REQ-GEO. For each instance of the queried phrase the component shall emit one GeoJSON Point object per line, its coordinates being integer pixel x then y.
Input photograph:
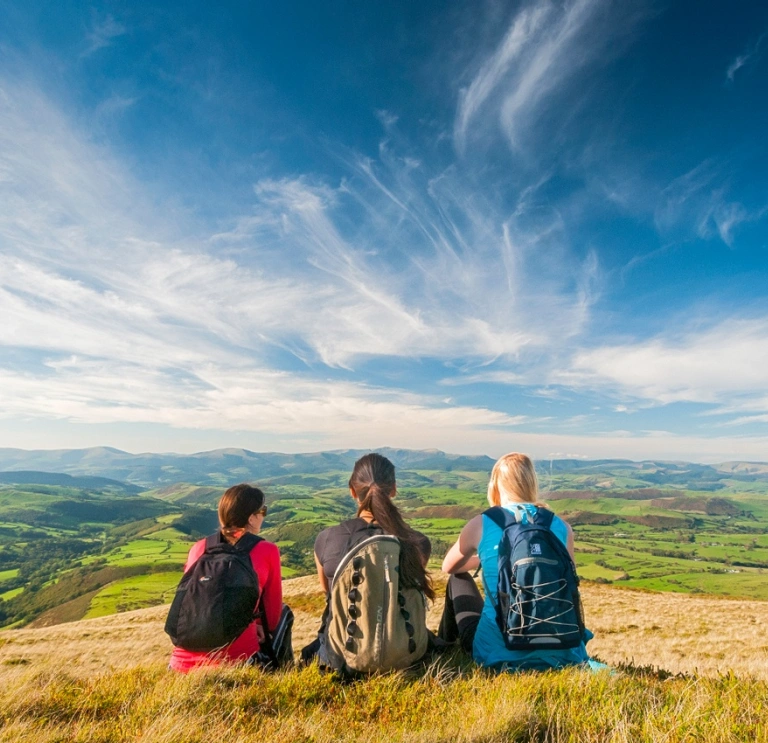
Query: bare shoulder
{"type": "Point", "coordinates": [472, 531]}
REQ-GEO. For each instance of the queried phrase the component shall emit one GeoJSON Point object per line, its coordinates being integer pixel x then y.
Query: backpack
{"type": "Point", "coordinates": [217, 597]}
{"type": "Point", "coordinates": [371, 622]}
{"type": "Point", "coordinates": [538, 602]}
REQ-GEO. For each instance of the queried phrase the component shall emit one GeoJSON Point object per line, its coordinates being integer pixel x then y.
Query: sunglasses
{"type": "Point", "coordinates": [263, 511]}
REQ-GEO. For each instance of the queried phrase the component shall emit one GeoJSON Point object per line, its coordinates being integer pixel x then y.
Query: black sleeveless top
{"type": "Point", "coordinates": [335, 541]}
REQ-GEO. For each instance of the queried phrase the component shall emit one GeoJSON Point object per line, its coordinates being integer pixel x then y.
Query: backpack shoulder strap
{"type": "Point", "coordinates": [500, 516]}
{"type": "Point", "coordinates": [214, 540]}
{"type": "Point", "coordinates": [247, 542]}
{"type": "Point", "coordinates": [357, 533]}
{"type": "Point", "coordinates": [544, 517]}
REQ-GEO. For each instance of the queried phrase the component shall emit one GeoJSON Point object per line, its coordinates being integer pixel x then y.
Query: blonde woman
{"type": "Point", "coordinates": [514, 498]}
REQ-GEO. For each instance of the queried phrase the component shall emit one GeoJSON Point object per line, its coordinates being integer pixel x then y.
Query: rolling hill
{"type": "Point", "coordinates": [223, 467]}
{"type": "Point", "coordinates": [75, 546]}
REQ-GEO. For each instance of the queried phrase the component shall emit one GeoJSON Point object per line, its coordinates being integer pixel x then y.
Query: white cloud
{"type": "Point", "coordinates": [223, 398]}
{"type": "Point", "coordinates": [102, 34]}
{"type": "Point", "coordinates": [749, 55]}
{"type": "Point", "coordinates": [709, 366]}
{"type": "Point", "coordinates": [696, 203]}
{"type": "Point", "coordinates": [486, 377]}
{"type": "Point", "coordinates": [304, 414]}
{"type": "Point", "coordinates": [545, 46]}
{"type": "Point", "coordinates": [124, 315]}
{"type": "Point", "coordinates": [519, 35]}
{"type": "Point", "coordinates": [746, 420]}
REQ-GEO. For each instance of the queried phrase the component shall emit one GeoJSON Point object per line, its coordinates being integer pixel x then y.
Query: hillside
{"type": "Point", "coordinates": [105, 680]}
{"type": "Point", "coordinates": [222, 467]}
{"type": "Point", "coordinates": [674, 632]}
{"type": "Point", "coordinates": [69, 552]}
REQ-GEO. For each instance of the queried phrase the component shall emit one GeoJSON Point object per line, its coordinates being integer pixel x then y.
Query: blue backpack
{"type": "Point", "coordinates": [538, 605]}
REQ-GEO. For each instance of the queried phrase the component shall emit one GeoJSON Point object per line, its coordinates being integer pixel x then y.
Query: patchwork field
{"type": "Point", "coordinates": [68, 552]}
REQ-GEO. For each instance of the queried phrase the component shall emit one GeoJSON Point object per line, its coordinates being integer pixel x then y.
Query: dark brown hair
{"type": "Point", "coordinates": [236, 506]}
{"type": "Point", "coordinates": [373, 481]}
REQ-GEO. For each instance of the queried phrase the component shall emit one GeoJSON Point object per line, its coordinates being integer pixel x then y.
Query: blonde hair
{"type": "Point", "coordinates": [513, 479]}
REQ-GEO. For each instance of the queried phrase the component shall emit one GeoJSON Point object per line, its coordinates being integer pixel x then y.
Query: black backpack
{"type": "Point", "coordinates": [538, 605]}
{"type": "Point", "coordinates": [217, 598]}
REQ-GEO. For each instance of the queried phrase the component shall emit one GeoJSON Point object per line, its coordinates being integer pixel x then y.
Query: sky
{"type": "Point", "coordinates": [477, 226]}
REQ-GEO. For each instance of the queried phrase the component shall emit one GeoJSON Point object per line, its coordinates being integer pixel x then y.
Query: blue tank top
{"type": "Point", "coordinates": [489, 649]}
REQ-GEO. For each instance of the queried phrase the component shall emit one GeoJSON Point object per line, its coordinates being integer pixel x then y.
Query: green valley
{"type": "Point", "coordinates": [84, 545]}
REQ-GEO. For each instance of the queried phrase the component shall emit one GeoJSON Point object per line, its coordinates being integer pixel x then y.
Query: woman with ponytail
{"type": "Point", "coordinates": [372, 486]}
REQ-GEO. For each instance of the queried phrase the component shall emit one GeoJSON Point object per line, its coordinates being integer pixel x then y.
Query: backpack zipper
{"type": "Point", "coordinates": [384, 609]}
{"type": "Point", "coordinates": [529, 560]}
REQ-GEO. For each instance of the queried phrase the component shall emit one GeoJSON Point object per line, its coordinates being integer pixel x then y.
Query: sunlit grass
{"type": "Point", "coordinates": [439, 703]}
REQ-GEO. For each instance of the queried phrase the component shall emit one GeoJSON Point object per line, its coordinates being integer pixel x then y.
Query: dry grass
{"type": "Point", "coordinates": [675, 632]}
{"type": "Point", "coordinates": [151, 704]}
{"type": "Point", "coordinates": [105, 680]}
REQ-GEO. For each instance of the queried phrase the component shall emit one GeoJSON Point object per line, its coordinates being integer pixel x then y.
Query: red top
{"type": "Point", "coordinates": [265, 558]}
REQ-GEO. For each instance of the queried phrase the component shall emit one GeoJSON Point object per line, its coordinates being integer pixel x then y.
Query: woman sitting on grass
{"type": "Point", "coordinates": [474, 621]}
{"type": "Point", "coordinates": [376, 588]}
{"type": "Point", "coordinates": [209, 613]}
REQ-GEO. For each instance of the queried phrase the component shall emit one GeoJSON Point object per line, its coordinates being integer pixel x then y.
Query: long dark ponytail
{"type": "Point", "coordinates": [373, 481]}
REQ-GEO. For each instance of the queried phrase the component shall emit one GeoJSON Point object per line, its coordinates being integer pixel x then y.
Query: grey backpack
{"type": "Point", "coordinates": [373, 623]}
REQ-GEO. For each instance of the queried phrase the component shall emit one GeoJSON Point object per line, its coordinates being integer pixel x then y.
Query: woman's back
{"type": "Point", "coordinates": [489, 648]}
{"type": "Point", "coordinates": [334, 542]}
{"type": "Point", "coordinates": [373, 570]}
{"type": "Point", "coordinates": [265, 558]}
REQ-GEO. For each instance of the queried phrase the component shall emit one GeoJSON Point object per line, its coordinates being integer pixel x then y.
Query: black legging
{"type": "Point", "coordinates": [461, 615]}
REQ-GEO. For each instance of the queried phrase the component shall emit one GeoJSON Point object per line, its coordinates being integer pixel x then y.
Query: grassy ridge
{"type": "Point", "coordinates": [105, 680]}
{"type": "Point", "coordinates": [442, 703]}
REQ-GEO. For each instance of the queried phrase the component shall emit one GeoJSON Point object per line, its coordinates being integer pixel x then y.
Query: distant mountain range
{"type": "Point", "coordinates": [222, 467]}
{"type": "Point", "coordinates": [218, 467]}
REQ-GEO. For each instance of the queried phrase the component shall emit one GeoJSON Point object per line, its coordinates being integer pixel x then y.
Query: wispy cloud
{"type": "Point", "coordinates": [101, 34]}
{"type": "Point", "coordinates": [489, 377]}
{"type": "Point", "coordinates": [696, 202]}
{"type": "Point", "coordinates": [750, 55]}
{"type": "Point", "coordinates": [219, 397]}
{"type": "Point", "coordinates": [546, 45]}
{"type": "Point", "coordinates": [125, 316]}
{"type": "Point", "coordinates": [520, 35]}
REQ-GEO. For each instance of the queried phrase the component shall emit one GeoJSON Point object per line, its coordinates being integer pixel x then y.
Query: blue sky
{"type": "Point", "coordinates": [481, 227]}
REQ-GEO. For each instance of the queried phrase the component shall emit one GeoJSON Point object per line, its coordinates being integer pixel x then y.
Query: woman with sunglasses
{"type": "Point", "coordinates": [242, 510]}
{"type": "Point", "coordinates": [372, 486]}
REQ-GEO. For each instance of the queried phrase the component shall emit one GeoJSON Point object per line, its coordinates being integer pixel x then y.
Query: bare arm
{"type": "Point", "coordinates": [321, 575]}
{"type": "Point", "coordinates": [463, 555]}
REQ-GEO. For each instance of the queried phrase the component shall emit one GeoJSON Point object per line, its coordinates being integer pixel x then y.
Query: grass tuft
{"type": "Point", "coordinates": [441, 702]}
